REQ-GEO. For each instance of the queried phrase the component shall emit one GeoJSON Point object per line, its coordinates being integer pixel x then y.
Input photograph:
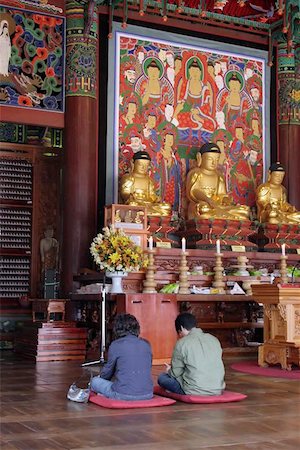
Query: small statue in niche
{"type": "Point", "coordinates": [128, 217]}
{"type": "Point", "coordinates": [49, 250]}
{"type": "Point", "coordinates": [138, 216]}
{"type": "Point", "coordinates": [117, 216]}
{"type": "Point", "coordinates": [95, 316]}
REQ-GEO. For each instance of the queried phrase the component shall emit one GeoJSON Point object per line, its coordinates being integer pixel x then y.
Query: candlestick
{"type": "Point", "coordinates": [218, 246]}
{"type": "Point", "coordinates": [283, 249]}
{"type": "Point", "coordinates": [183, 274]}
{"type": "Point", "coordinates": [218, 279]}
{"type": "Point", "coordinates": [183, 245]}
{"type": "Point", "coordinates": [150, 283]}
{"type": "Point", "coordinates": [150, 243]}
{"type": "Point", "coordinates": [283, 269]}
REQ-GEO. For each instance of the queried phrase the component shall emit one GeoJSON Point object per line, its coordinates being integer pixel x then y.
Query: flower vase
{"type": "Point", "coordinates": [116, 280]}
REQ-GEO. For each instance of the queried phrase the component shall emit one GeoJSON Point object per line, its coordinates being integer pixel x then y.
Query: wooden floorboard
{"type": "Point", "coordinates": [35, 414]}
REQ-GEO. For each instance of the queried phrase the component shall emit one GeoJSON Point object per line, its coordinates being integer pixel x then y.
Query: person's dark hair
{"type": "Point", "coordinates": [125, 324]}
{"type": "Point", "coordinates": [185, 320]}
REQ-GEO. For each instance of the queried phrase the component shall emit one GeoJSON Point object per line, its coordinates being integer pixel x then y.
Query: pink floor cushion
{"type": "Point", "coordinates": [105, 402]}
{"type": "Point", "coordinates": [252, 368]}
{"type": "Point", "coordinates": [227, 396]}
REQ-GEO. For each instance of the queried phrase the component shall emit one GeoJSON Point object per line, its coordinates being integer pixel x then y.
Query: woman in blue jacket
{"type": "Point", "coordinates": [127, 373]}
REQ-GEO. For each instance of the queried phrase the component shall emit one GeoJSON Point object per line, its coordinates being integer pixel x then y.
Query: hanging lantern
{"type": "Point", "coordinates": [270, 50]}
{"type": "Point", "coordinates": [124, 23]}
{"type": "Point", "coordinates": [179, 9]}
{"type": "Point", "coordinates": [285, 26]}
{"type": "Point", "coordinates": [164, 11]}
{"type": "Point", "coordinates": [110, 19]}
{"type": "Point", "coordinates": [141, 11]}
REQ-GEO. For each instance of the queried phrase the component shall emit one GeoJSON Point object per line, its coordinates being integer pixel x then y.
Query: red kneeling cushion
{"type": "Point", "coordinates": [227, 396]}
{"type": "Point", "coordinates": [105, 402]}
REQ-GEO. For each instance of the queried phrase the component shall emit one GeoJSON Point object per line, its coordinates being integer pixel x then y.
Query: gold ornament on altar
{"type": "Point", "coordinates": [137, 188]}
{"type": "Point", "coordinates": [271, 199]}
{"type": "Point", "coordinates": [206, 189]}
{"type": "Point", "coordinates": [117, 216]}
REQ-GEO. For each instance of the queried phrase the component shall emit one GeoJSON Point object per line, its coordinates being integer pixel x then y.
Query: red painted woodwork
{"type": "Point", "coordinates": [289, 138]}
{"type": "Point", "coordinates": [156, 314]}
{"type": "Point", "coordinates": [32, 117]}
{"type": "Point", "coordinates": [80, 185]}
{"type": "Point", "coordinates": [61, 341]}
{"type": "Point", "coordinates": [184, 23]}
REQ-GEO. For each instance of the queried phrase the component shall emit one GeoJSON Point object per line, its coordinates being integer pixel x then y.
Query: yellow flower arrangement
{"type": "Point", "coordinates": [114, 251]}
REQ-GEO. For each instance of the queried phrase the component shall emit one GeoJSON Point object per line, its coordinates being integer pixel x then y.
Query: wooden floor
{"type": "Point", "coordinates": [36, 415]}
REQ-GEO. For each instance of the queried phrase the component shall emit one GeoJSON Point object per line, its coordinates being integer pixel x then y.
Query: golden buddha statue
{"type": "Point", "coordinates": [206, 189]}
{"type": "Point", "coordinates": [137, 188]}
{"type": "Point", "coordinates": [271, 199]}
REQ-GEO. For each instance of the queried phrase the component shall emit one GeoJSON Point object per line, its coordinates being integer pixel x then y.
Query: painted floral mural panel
{"type": "Point", "coordinates": [31, 60]}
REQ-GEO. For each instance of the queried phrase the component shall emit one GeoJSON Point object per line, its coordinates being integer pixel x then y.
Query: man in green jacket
{"type": "Point", "coordinates": [196, 367]}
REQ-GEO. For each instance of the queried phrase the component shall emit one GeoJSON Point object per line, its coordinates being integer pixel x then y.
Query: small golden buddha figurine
{"type": "Point", "coordinates": [137, 188]}
{"type": "Point", "coordinates": [271, 199]}
{"type": "Point", "coordinates": [128, 217]}
{"type": "Point", "coordinates": [138, 216]}
{"type": "Point", "coordinates": [117, 216]}
{"type": "Point", "coordinates": [206, 189]}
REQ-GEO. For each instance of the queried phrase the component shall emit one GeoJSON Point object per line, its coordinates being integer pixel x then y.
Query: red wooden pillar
{"type": "Point", "coordinates": [289, 123]}
{"type": "Point", "coordinates": [81, 143]}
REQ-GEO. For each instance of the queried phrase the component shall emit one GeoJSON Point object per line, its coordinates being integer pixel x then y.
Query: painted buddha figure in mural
{"type": "Point", "coordinates": [195, 101]}
{"type": "Point", "coordinates": [137, 188]}
{"type": "Point", "coordinates": [206, 189]}
{"type": "Point", "coordinates": [233, 100]}
{"type": "Point", "coordinates": [271, 199]}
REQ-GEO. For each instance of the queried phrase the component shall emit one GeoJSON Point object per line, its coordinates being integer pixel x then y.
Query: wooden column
{"type": "Point", "coordinates": [289, 123]}
{"type": "Point", "coordinates": [81, 142]}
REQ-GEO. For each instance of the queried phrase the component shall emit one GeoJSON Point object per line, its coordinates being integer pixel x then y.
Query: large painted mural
{"type": "Point", "coordinates": [31, 60]}
{"type": "Point", "coordinates": [171, 98]}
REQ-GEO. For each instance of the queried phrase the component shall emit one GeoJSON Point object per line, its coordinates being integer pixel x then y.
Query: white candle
{"type": "Point", "coordinates": [283, 249]}
{"type": "Point", "coordinates": [183, 244]}
{"type": "Point", "coordinates": [150, 243]}
{"type": "Point", "coordinates": [218, 246]}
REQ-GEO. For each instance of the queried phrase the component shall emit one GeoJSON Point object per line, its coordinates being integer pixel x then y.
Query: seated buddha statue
{"type": "Point", "coordinates": [206, 189]}
{"type": "Point", "coordinates": [271, 199]}
{"type": "Point", "coordinates": [137, 188]}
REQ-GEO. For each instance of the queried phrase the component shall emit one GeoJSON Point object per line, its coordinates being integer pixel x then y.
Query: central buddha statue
{"type": "Point", "coordinates": [206, 189]}
{"type": "Point", "coordinates": [137, 188]}
{"type": "Point", "coordinates": [271, 199]}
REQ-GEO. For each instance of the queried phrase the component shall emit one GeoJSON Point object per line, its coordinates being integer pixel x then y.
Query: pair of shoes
{"type": "Point", "coordinates": [76, 394]}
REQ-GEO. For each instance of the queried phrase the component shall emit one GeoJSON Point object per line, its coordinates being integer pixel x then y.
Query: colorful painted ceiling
{"type": "Point", "coordinates": [269, 16]}
{"type": "Point", "coordinates": [259, 10]}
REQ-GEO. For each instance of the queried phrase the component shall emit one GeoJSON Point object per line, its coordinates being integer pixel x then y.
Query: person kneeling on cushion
{"type": "Point", "coordinates": [127, 373]}
{"type": "Point", "coordinates": [196, 366]}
